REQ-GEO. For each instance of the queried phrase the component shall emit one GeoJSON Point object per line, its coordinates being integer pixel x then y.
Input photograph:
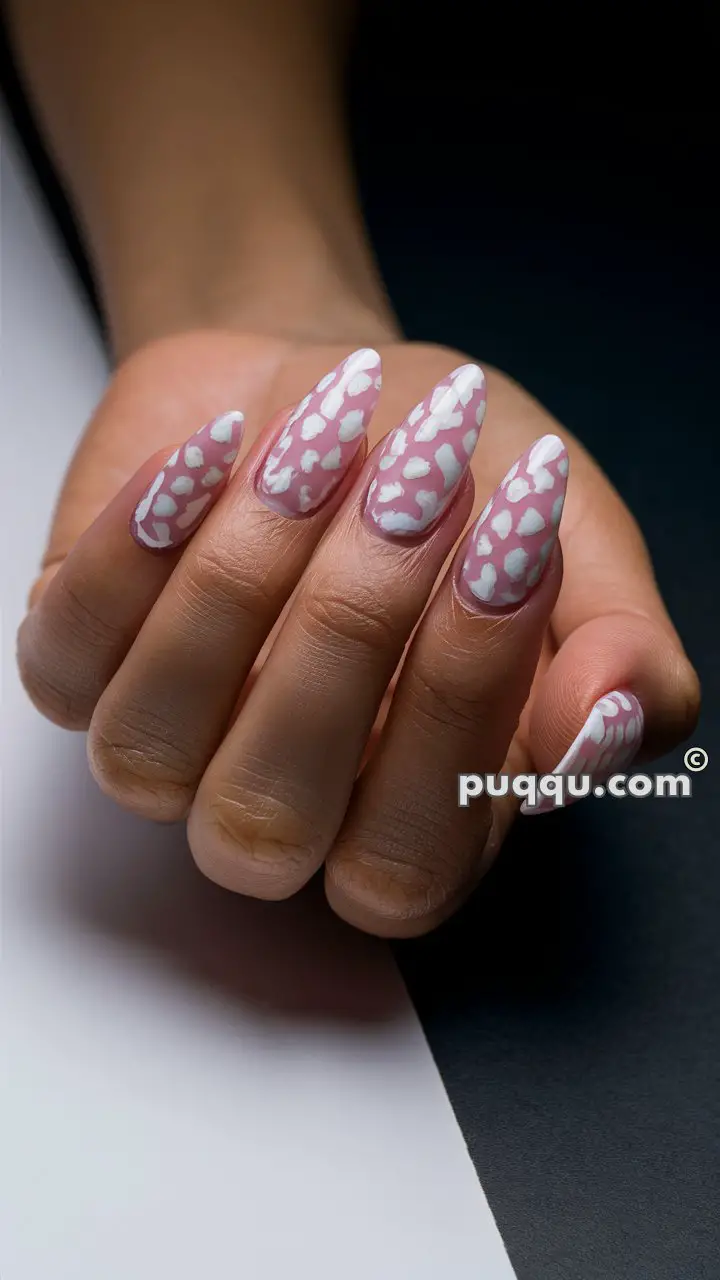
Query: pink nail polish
{"type": "Point", "coordinates": [424, 459]}
{"type": "Point", "coordinates": [189, 484]}
{"type": "Point", "coordinates": [606, 744]}
{"type": "Point", "coordinates": [322, 436]}
{"type": "Point", "coordinates": [514, 536]}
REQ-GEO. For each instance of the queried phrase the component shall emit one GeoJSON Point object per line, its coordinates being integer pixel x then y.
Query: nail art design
{"type": "Point", "coordinates": [424, 459]}
{"type": "Point", "coordinates": [515, 534]}
{"type": "Point", "coordinates": [606, 744]}
{"type": "Point", "coordinates": [192, 479]}
{"type": "Point", "coordinates": [322, 436]}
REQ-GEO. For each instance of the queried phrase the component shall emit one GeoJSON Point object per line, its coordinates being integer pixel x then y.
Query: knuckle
{"type": "Point", "coordinates": [405, 868]}
{"type": "Point", "coordinates": [82, 618]}
{"type": "Point", "coordinates": [53, 696]}
{"type": "Point", "coordinates": [253, 840]}
{"type": "Point", "coordinates": [354, 618]}
{"type": "Point", "coordinates": [213, 587]}
{"type": "Point", "coordinates": [136, 759]}
{"type": "Point", "coordinates": [391, 887]}
{"type": "Point", "coordinates": [54, 681]}
{"type": "Point", "coordinates": [435, 700]}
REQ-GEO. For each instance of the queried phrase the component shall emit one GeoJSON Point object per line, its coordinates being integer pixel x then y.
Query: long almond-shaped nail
{"type": "Point", "coordinates": [321, 437]}
{"type": "Point", "coordinates": [423, 460]}
{"type": "Point", "coordinates": [606, 744]}
{"type": "Point", "coordinates": [515, 534]}
{"type": "Point", "coordinates": [189, 484]}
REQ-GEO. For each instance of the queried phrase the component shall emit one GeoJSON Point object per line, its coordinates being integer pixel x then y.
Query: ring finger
{"type": "Point", "coordinates": [163, 714]}
{"type": "Point", "coordinates": [409, 852]}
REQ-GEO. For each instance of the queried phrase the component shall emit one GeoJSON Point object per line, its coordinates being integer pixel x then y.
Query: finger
{"type": "Point", "coordinates": [273, 798]}
{"type": "Point", "coordinates": [79, 630]}
{"type": "Point", "coordinates": [620, 685]}
{"type": "Point", "coordinates": [410, 849]}
{"type": "Point", "coordinates": [160, 394]}
{"type": "Point", "coordinates": [161, 718]}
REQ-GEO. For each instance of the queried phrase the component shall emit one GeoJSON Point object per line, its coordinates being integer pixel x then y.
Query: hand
{"type": "Point", "coordinates": [158, 666]}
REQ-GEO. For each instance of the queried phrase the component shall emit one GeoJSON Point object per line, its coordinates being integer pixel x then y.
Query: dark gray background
{"type": "Point", "coordinates": [539, 190]}
{"type": "Point", "coordinates": [540, 196]}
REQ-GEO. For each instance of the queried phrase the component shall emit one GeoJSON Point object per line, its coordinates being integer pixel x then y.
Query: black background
{"type": "Point", "coordinates": [539, 185]}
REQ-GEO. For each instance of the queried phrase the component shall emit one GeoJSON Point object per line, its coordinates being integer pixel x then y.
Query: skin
{"type": "Point", "coordinates": [228, 283]}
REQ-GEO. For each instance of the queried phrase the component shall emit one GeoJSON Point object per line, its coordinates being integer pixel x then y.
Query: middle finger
{"type": "Point", "coordinates": [274, 796]}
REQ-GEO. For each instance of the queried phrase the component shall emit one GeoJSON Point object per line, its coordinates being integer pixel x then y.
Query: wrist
{"type": "Point", "coordinates": [302, 280]}
{"type": "Point", "coordinates": [209, 169]}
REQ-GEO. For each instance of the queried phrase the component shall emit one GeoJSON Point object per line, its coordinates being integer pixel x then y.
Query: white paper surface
{"type": "Point", "coordinates": [193, 1084]}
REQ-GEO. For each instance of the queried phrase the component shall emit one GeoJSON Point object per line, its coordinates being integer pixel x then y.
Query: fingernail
{"type": "Point", "coordinates": [607, 742]}
{"type": "Point", "coordinates": [514, 536]}
{"type": "Point", "coordinates": [321, 437]}
{"type": "Point", "coordinates": [424, 459]}
{"type": "Point", "coordinates": [189, 484]}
